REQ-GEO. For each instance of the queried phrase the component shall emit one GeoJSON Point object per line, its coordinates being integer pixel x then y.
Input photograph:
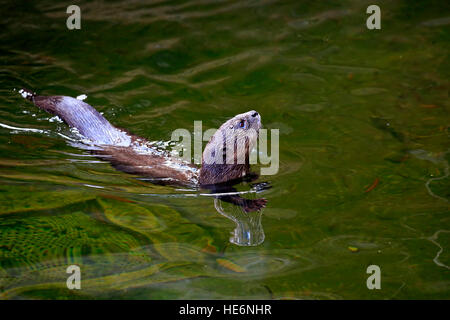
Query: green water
{"type": "Point", "coordinates": [364, 149]}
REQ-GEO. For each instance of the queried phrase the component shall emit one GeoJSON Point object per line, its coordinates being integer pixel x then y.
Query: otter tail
{"type": "Point", "coordinates": [80, 115]}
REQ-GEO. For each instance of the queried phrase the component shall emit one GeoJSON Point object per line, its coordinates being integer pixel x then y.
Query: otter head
{"type": "Point", "coordinates": [226, 156]}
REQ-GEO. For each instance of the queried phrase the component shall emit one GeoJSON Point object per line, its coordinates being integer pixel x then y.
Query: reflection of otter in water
{"type": "Point", "coordinates": [136, 155]}
{"type": "Point", "coordinates": [248, 230]}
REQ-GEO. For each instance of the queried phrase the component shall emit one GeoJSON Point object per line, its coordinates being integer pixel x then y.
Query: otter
{"type": "Point", "coordinates": [136, 155]}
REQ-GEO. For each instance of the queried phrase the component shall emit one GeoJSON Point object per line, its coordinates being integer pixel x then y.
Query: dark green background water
{"type": "Point", "coordinates": [353, 107]}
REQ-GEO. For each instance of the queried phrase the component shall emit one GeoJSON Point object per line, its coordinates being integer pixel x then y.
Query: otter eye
{"type": "Point", "coordinates": [242, 124]}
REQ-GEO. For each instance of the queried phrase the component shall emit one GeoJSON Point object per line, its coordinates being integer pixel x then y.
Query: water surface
{"type": "Point", "coordinates": [364, 149]}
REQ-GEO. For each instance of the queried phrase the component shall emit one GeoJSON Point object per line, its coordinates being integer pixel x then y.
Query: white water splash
{"type": "Point", "coordinates": [55, 119]}
{"type": "Point", "coordinates": [24, 93]}
{"type": "Point", "coordinates": [23, 129]}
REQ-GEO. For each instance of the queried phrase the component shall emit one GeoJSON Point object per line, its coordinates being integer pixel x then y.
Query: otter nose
{"type": "Point", "coordinates": [254, 114]}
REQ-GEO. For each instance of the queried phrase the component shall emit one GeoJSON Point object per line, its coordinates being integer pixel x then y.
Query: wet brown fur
{"type": "Point", "coordinates": [92, 124]}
